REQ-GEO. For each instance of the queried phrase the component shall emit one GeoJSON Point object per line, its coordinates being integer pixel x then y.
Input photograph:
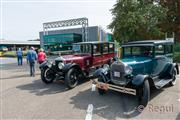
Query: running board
{"type": "Point", "coordinates": [116, 88]}
{"type": "Point", "coordinates": [162, 83]}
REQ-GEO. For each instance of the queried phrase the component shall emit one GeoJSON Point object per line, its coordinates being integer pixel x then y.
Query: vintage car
{"type": "Point", "coordinates": [86, 58]}
{"type": "Point", "coordinates": [144, 64]}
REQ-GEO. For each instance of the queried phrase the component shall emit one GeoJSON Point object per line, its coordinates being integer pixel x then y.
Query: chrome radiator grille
{"type": "Point", "coordinates": [117, 73]}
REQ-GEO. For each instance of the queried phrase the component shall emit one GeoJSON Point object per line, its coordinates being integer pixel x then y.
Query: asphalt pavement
{"type": "Point", "coordinates": [24, 97]}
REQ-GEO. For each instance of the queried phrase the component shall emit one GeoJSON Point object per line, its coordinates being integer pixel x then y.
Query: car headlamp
{"type": "Point", "coordinates": [128, 69]}
{"type": "Point", "coordinates": [106, 68]}
{"type": "Point", "coordinates": [60, 65]}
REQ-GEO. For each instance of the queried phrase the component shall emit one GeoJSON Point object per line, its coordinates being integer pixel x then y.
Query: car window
{"type": "Point", "coordinates": [138, 51]}
{"type": "Point", "coordinates": [97, 49]}
{"type": "Point", "coordinates": [127, 51]}
{"type": "Point", "coordinates": [169, 49]}
{"type": "Point", "coordinates": [159, 50]}
{"type": "Point", "coordinates": [111, 48]}
{"type": "Point", "coordinates": [82, 48]}
{"type": "Point", "coordinates": [105, 48]}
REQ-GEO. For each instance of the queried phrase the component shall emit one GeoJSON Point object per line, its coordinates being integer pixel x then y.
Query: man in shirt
{"type": "Point", "coordinates": [32, 57]}
{"type": "Point", "coordinates": [19, 54]}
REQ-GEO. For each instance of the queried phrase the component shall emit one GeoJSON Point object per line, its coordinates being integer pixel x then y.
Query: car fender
{"type": "Point", "coordinates": [98, 72]}
{"type": "Point", "coordinates": [45, 64]}
{"type": "Point", "coordinates": [177, 67]}
{"type": "Point", "coordinates": [139, 79]}
{"type": "Point", "coordinates": [68, 66]}
{"type": "Point", "coordinates": [171, 67]}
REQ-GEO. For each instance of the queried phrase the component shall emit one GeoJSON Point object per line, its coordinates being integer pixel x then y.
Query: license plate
{"type": "Point", "coordinates": [117, 74]}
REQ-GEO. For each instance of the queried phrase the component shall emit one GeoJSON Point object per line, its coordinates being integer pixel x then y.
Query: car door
{"type": "Point", "coordinates": [105, 53]}
{"type": "Point", "coordinates": [97, 55]}
{"type": "Point", "coordinates": [159, 61]}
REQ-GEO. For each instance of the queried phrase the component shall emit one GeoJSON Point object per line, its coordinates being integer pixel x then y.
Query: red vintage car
{"type": "Point", "coordinates": [86, 58]}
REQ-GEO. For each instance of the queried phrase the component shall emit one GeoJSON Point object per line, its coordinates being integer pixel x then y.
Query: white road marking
{"type": "Point", "coordinates": [89, 112]}
{"type": "Point", "coordinates": [179, 100]}
{"type": "Point", "coordinates": [93, 88]}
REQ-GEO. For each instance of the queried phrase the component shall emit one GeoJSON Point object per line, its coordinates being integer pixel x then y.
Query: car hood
{"type": "Point", "coordinates": [140, 65]}
{"type": "Point", "coordinates": [136, 60]}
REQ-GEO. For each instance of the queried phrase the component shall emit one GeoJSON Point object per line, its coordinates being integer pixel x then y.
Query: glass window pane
{"type": "Point", "coordinates": [97, 49]}
{"type": "Point", "coordinates": [105, 48]}
{"type": "Point", "coordinates": [111, 48]}
{"type": "Point", "coordinates": [159, 50]}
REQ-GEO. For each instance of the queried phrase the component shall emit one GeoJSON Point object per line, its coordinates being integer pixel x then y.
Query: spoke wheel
{"type": "Point", "coordinates": [47, 75]}
{"type": "Point", "coordinates": [71, 78]}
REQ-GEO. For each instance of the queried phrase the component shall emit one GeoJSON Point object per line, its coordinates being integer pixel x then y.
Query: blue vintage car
{"type": "Point", "coordinates": [144, 64]}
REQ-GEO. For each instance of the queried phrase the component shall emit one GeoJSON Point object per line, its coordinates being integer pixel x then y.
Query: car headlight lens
{"type": "Point", "coordinates": [60, 65]}
{"type": "Point", "coordinates": [128, 69]}
{"type": "Point", "coordinates": [106, 67]}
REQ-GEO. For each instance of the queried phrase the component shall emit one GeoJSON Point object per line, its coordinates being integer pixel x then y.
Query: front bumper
{"type": "Point", "coordinates": [106, 86]}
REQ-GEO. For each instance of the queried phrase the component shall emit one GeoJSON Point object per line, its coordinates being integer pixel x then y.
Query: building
{"type": "Point", "coordinates": [55, 40]}
{"type": "Point", "coordinates": [13, 45]}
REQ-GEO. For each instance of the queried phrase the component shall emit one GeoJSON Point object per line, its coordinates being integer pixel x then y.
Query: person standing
{"type": "Point", "coordinates": [32, 57]}
{"type": "Point", "coordinates": [19, 54]}
{"type": "Point", "coordinates": [41, 56]}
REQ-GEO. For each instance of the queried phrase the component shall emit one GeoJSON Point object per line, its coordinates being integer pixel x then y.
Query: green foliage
{"type": "Point", "coordinates": [177, 47]}
{"type": "Point", "coordinates": [172, 21]}
{"type": "Point", "coordinates": [12, 54]}
{"type": "Point", "coordinates": [136, 20]}
{"type": "Point", "coordinates": [176, 57]}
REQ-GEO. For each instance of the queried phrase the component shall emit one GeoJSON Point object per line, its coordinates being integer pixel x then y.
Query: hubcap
{"type": "Point", "coordinates": [73, 78]}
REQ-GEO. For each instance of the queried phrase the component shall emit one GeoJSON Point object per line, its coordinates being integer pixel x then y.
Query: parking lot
{"type": "Point", "coordinates": [25, 97]}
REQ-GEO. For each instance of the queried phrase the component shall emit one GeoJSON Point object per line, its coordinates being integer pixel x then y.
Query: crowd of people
{"type": "Point", "coordinates": [32, 57]}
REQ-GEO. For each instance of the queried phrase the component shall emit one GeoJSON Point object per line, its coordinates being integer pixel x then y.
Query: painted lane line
{"type": "Point", "coordinates": [89, 112]}
{"type": "Point", "coordinates": [93, 88]}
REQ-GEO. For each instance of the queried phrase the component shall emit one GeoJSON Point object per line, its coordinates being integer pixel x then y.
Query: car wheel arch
{"type": "Point", "coordinates": [69, 66]}
{"type": "Point", "coordinates": [177, 67]}
{"type": "Point", "coordinates": [139, 80]}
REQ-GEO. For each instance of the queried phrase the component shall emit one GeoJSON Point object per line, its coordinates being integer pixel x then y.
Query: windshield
{"type": "Point", "coordinates": [82, 48]}
{"type": "Point", "coordinates": [138, 51]}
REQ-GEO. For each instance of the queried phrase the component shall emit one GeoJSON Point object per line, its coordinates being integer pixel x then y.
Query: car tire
{"type": "Point", "coordinates": [101, 91]}
{"type": "Point", "coordinates": [47, 75]}
{"type": "Point", "coordinates": [71, 78]}
{"type": "Point", "coordinates": [174, 73]}
{"type": "Point", "coordinates": [144, 94]}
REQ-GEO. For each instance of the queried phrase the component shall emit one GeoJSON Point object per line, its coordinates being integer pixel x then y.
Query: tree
{"type": "Point", "coordinates": [172, 21]}
{"type": "Point", "coordinates": [136, 20]}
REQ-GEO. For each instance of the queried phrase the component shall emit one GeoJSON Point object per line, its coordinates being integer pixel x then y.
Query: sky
{"type": "Point", "coordinates": [23, 19]}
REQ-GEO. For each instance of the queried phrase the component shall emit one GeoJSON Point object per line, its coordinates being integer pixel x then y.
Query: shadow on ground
{"type": "Point", "coordinates": [39, 88]}
{"type": "Point", "coordinates": [111, 105]}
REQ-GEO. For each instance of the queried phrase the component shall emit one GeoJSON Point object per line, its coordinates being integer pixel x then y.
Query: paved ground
{"type": "Point", "coordinates": [25, 97]}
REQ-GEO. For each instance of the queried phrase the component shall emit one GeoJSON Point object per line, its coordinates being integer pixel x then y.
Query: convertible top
{"type": "Point", "coordinates": [148, 43]}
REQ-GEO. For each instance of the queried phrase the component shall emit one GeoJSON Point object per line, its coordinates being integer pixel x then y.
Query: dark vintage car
{"type": "Point", "coordinates": [86, 58]}
{"type": "Point", "coordinates": [144, 64]}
